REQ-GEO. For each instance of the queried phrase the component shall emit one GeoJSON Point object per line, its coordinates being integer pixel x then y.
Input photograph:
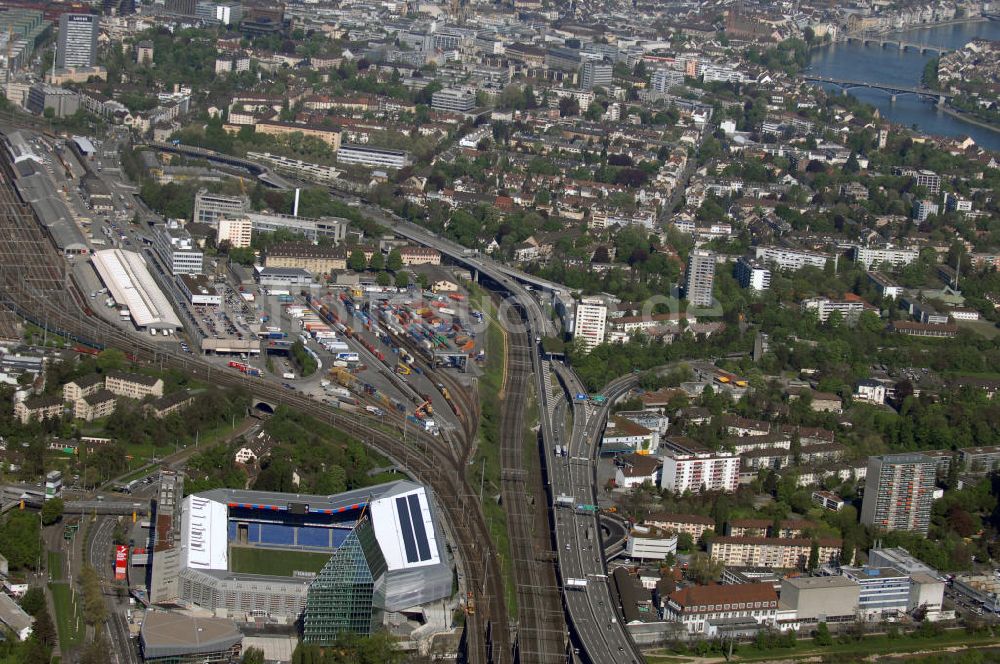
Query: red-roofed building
{"type": "Point", "coordinates": [696, 606]}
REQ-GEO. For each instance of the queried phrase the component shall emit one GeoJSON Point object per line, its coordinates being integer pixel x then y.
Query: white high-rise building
{"type": "Point", "coordinates": [699, 278]}
{"type": "Point", "coordinates": [751, 274]}
{"type": "Point", "coordinates": [695, 471]}
{"type": "Point", "coordinates": [591, 322]}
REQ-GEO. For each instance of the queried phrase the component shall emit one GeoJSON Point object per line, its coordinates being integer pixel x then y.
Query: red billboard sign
{"type": "Point", "coordinates": [121, 562]}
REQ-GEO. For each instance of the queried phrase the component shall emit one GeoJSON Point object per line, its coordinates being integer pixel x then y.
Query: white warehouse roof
{"type": "Point", "coordinates": [131, 285]}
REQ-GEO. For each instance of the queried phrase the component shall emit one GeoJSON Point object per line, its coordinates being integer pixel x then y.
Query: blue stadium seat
{"type": "Point", "coordinates": [314, 537]}
{"type": "Point", "coordinates": [274, 534]}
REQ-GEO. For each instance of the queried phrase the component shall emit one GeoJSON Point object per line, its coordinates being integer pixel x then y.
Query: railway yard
{"type": "Point", "coordinates": [398, 370]}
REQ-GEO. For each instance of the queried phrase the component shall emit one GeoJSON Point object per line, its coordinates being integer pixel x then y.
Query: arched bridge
{"type": "Point", "coordinates": [893, 90]}
{"type": "Point", "coordinates": [901, 44]}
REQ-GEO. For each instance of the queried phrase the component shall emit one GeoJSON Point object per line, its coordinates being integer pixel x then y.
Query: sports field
{"type": "Point", "coordinates": [274, 562]}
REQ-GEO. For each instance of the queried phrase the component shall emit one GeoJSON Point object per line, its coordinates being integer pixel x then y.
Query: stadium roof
{"type": "Point", "coordinates": [127, 277]}
{"type": "Point", "coordinates": [175, 635]}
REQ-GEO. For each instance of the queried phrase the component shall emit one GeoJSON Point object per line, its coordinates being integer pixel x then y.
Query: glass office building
{"type": "Point", "coordinates": [348, 595]}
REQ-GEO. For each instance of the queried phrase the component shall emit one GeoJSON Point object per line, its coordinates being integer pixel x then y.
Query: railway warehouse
{"type": "Point", "coordinates": [132, 286]}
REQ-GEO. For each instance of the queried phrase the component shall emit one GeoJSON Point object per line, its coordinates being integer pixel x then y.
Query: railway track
{"type": "Point", "coordinates": [36, 284]}
{"type": "Point", "coordinates": [541, 631]}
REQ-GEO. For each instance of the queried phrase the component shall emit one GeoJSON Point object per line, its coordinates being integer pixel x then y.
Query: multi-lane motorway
{"type": "Point", "coordinates": [593, 615]}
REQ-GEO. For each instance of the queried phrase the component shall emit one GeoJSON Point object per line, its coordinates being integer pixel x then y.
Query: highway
{"type": "Point", "coordinates": [593, 615]}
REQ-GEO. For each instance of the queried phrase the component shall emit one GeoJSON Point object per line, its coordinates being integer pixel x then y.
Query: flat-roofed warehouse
{"type": "Point", "coordinates": [173, 637]}
{"type": "Point", "coordinates": [131, 285]}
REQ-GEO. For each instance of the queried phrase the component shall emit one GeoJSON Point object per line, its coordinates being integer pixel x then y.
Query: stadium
{"type": "Point", "coordinates": [252, 555]}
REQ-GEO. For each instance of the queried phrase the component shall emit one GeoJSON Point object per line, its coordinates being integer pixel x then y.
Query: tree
{"type": "Point", "coordinates": [110, 359]}
{"type": "Point", "coordinates": [685, 541]}
{"type": "Point", "coordinates": [44, 631]}
{"type": "Point", "coordinates": [33, 600]}
{"type": "Point", "coordinates": [357, 261]}
{"type": "Point", "coordinates": [402, 280]}
{"type": "Point", "coordinates": [395, 261]}
{"type": "Point", "coordinates": [253, 656]}
{"type": "Point", "coordinates": [96, 651]}
{"type": "Point", "coordinates": [95, 610]}
{"type": "Point", "coordinates": [378, 261]}
{"type": "Point", "coordinates": [52, 511]}
{"type": "Point", "coordinates": [822, 635]}
{"type": "Point", "coordinates": [813, 556]}
{"type": "Point", "coordinates": [383, 279]}
{"type": "Point", "coordinates": [568, 106]}
{"type": "Point", "coordinates": [704, 569]}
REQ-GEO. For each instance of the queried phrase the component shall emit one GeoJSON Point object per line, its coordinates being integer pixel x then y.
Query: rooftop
{"type": "Point", "coordinates": [172, 634]}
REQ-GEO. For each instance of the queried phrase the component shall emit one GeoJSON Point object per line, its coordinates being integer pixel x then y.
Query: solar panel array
{"type": "Point", "coordinates": [411, 526]}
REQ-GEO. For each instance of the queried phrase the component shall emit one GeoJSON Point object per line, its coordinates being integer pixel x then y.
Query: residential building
{"type": "Point", "coordinates": [453, 100]}
{"type": "Point", "coordinates": [134, 386]}
{"type": "Point", "coordinates": [821, 598]}
{"type": "Point", "coordinates": [93, 406]}
{"type": "Point", "coordinates": [635, 470]}
{"type": "Point", "coordinates": [81, 387]}
{"type": "Point", "coordinates": [370, 156]}
{"type": "Point", "coordinates": [177, 249]}
{"type": "Point", "coordinates": [699, 278]}
{"type": "Point", "coordinates": [884, 591]}
{"type": "Point", "coordinates": [420, 256]}
{"type": "Point", "coordinates": [788, 528]}
{"type": "Point", "coordinates": [169, 404]}
{"type": "Point", "coordinates": [849, 308]}
{"type": "Point", "coordinates": [885, 286]}
{"type": "Point", "coordinates": [752, 274]}
{"type": "Point", "coordinates": [664, 79]}
{"type": "Point", "coordinates": [646, 543]}
{"type": "Point", "coordinates": [929, 179]}
{"type": "Point", "coordinates": [590, 323]}
{"type": "Point", "coordinates": [329, 135]}
{"type": "Point", "coordinates": [693, 524]}
{"type": "Point", "coordinates": [595, 74]}
{"type": "Point", "coordinates": [77, 45]}
{"type": "Point", "coordinates": [784, 553]}
{"type": "Point", "coordinates": [315, 259]}
{"type": "Point", "coordinates": [894, 256]}
{"type": "Point", "coordinates": [209, 207]}
{"type": "Point", "coordinates": [15, 618]}
{"type": "Point", "coordinates": [698, 471]}
{"type": "Point", "coordinates": [924, 208]}
{"type": "Point", "coordinates": [914, 329]}
{"type": "Point", "coordinates": [870, 391]}
{"type": "Point", "coordinates": [790, 259]}
{"type": "Point", "coordinates": [624, 435]}
{"type": "Point", "coordinates": [898, 492]}
{"type": "Point", "coordinates": [980, 459]}
{"type": "Point", "coordinates": [38, 408]}
{"type": "Point", "coordinates": [954, 203]}
{"type": "Point", "coordinates": [697, 606]}
{"type": "Point", "coordinates": [144, 52]}
{"type": "Point", "coordinates": [236, 231]}
{"type": "Point", "coordinates": [828, 500]}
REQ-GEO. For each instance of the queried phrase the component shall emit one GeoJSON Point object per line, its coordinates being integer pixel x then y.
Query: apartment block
{"type": "Point", "coordinates": [899, 490]}
{"type": "Point", "coordinates": [700, 471]}
{"type": "Point", "coordinates": [700, 277]}
{"type": "Point", "coordinates": [782, 553]}
{"type": "Point", "coordinates": [590, 323]}
{"type": "Point", "coordinates": [134, 386]}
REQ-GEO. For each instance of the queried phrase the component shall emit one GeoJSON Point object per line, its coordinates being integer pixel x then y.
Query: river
{"type": "Point", "coordinates": [890, 65]}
